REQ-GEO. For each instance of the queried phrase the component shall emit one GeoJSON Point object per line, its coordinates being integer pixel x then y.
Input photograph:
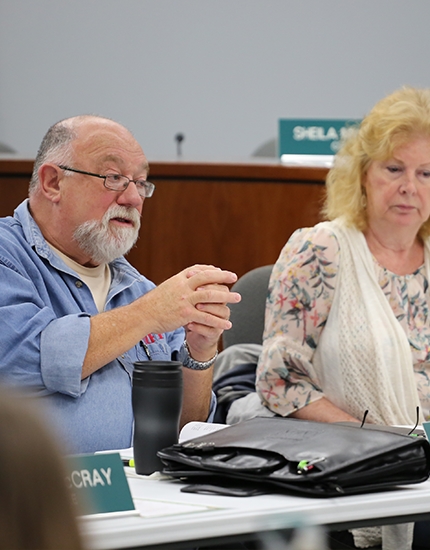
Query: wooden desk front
{"type": "Point", "coordinates": [233, 215]}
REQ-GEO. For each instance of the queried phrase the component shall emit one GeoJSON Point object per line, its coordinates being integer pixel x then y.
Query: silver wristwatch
{"type": "Point", "coordinates": [190, 363]}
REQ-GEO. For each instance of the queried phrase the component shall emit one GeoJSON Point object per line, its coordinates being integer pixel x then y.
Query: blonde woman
{"type": "Point", "coordinates": [347, 325]}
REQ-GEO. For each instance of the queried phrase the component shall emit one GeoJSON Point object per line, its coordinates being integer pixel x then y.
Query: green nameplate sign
{"type": "Point", "coordinates": [312, 137]}
{"type": "Point", "coordinates": [98, 483]}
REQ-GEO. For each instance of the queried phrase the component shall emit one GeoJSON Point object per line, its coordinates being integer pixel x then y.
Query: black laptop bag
{"type": "Point", "coordinates": [299, 456]}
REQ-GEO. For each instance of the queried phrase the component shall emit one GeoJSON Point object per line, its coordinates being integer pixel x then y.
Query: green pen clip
{"type": "Point", "coordinates": [304, 466]}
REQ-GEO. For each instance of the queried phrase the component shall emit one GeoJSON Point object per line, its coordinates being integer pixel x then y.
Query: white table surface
{"type": "Point", "coordinates": [165, 515]}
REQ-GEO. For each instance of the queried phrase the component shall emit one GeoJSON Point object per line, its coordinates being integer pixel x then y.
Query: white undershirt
{"type": "Point", "coordinates": [98, 279]}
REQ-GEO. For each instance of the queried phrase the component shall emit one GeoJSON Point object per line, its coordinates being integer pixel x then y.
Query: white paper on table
{"type": "Point", "coordinates": [197, 429]}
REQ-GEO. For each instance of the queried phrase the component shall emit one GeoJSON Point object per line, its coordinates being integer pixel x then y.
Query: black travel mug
{"type": "Point", "coordinates": [157, 404]}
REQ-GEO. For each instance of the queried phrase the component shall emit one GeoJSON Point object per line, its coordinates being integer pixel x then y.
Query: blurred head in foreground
{"type": "Point", "coordinates": [36, 510]}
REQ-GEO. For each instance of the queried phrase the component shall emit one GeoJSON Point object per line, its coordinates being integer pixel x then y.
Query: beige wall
{"type": "Point", "coordinates": [220, 71]}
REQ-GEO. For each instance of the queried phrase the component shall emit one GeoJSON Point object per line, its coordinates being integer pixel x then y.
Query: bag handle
{"type": "Point", "coordinates": [244, 460]}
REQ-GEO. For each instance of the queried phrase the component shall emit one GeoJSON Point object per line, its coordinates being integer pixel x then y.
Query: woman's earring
{"type": "Point", "coordinates": [363, 201]}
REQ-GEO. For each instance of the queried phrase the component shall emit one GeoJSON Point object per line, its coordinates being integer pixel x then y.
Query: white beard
{"type": "Point", "coordinates": [103, 242]}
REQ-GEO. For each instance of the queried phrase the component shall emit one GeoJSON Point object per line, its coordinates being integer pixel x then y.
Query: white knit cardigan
{"type": "Point", "coordinates": [363, 359]}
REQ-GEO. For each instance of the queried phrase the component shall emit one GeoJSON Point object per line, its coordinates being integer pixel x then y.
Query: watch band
{"type": "Point", "coordinates": [191, 363]}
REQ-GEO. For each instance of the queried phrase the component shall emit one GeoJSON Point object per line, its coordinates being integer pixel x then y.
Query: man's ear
{"type": "Point", "coordinates": [49, 181]}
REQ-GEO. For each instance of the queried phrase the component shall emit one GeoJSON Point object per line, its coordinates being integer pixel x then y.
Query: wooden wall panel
{"type": "Point", "coordinates": [236, 216]}
{"type": "Point", "coordinates": [14, 179]}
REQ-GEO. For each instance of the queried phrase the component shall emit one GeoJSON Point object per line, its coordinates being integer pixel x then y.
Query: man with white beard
{"type": "Point", "coordinates": [75, 314]}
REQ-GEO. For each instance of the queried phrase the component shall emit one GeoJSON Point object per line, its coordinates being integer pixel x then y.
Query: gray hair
{"type": "Point", "coordinates": [56, 147]}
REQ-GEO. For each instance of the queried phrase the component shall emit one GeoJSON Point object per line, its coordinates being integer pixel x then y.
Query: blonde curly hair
{"type": "Point", "coordinates": [395, 120]}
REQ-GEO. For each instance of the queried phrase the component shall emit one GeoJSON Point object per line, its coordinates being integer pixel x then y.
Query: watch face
{"type": "Point", "coordinates": [183, 354]}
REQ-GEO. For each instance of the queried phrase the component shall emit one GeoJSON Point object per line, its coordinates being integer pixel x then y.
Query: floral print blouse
{"type": "Point", "coordinates": [301, 292]}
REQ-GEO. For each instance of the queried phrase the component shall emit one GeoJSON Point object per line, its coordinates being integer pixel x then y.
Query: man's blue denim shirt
{"type": "Point", "coordinates": [45, 312]}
